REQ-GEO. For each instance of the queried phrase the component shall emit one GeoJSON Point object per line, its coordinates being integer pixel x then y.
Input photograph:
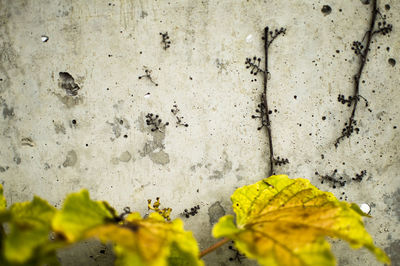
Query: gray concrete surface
{"type": "Point", "coordinates": [61, 133]}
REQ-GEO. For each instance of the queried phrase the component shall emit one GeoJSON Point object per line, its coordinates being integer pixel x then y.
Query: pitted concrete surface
{"type": "Point", "coordinates": [72, 107]}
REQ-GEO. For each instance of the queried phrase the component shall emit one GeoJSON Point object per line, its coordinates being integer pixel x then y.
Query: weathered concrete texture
{"type": "Point", "coordinates": [72, 106]}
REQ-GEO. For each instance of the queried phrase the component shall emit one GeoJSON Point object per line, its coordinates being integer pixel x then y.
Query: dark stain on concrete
{"type": "Point", "coordinates": [393, 203]}
{"type": "Point", "coordinates": [59, 128]}
{"type": "Point", "coordinates": [69, 101]}
{"type": "Point", "coordinates": [143, 14]}
{"type": "Point", "coordinates": [46, 166]}
{"type": "Point", "coordinates": [67, 83]}
{"type": "Point", "coordinates": [160, 157]}
{"type": "Point", "coordinates": [215, 212]}
{"type": "Point", "coordinates": [8, 112]}
{"type": "Point", "coordinates": [3, 169]}
{"type": "Point", "coordinates": [118, 125]}
{"type": "Point", "coordinates": [155, 148]}
{"type": "Point", "coordinates": [27, 142]}
{"type": "Point", "coordinates": [124, 157]}
{"type": "Point", "coordinates": [8, 55]}
{"type": "Point", "coordinates": [393, 251]}
{"type": "Point", "coordinates": [226, 168]}
{"type": "Point", "coordinates": [216, 175]}
{"type": "Point", "coordinates": [17, 159]}
{"type": "Point", "coordinates": [222, 66]}
{"type": "Point", "coordinates": [70, 159]}
{"type": "Point", "coordinates": [195, 167]}
{"type": "Point", "coordinates": [396, 204]}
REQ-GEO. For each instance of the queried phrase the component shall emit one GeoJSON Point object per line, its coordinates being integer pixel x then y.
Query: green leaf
{"type": "Point", "coordinates": [36, 214]}
{"type": "Point", "coordinates": [20, 244]}
{"type": "Point", "coordinates": [30, 227]}
{"type": "Point", "coordinates": [4, 214]}
{"type": "Point", "coordinates": [150, 241]}
{"type": "Point", "coordinates": [80, 214]}
{"type": "Point", "coordinates": [283, 221]}
{"type": "Point", "coordinates": [3, 202]}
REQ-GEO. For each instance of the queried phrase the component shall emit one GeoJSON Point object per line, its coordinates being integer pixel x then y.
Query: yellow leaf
{"type": "Point", "coordinates": [29, 230]}
{"type": "Point", "coordinates": [38, 213]}
{"type": "Point", "coordinates": [79, 214]}
{"type": "Point", "coordinates": [4, 214]}
{"type": "Point", "coordinates": [19, 246]}
{"type": "Point", "coordinates": [3, 202]}
{"type": "Point", "coordinates": [149, 241]}
{"type": "Point", "coordinates": [283, 221]}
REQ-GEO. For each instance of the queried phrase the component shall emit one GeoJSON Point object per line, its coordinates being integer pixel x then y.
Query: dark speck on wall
{"type": "Point", "coordinates": [8, 112]}
{"type": "Point", "coordinates": [326, 10]}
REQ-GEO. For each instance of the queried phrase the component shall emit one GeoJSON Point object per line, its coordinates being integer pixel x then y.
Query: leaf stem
{"type": "Point", "coordinates": [214, 247]}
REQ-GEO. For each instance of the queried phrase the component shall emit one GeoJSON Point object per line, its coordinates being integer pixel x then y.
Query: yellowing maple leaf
{"type": "Point", "coordinates": [79, 214]}
{"type": "Point", "coordinates": [150, 241]}
{"type": "Point", "coordinates": [283, 221]}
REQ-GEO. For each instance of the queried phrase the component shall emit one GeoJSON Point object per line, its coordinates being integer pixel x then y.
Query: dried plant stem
{"type": "Point", "coordinates": [357, 77]}
{"type": "Point", "coordinates": [265, 101]}
{"type": "Point", "coordinates": [214, 247]}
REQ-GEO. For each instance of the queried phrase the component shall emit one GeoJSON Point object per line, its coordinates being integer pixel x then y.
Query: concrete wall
{"type": "Point", "coordinates": [56, 138]}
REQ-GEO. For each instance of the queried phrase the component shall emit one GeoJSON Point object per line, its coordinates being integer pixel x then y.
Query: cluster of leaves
{"type": "Point", "coordinates": [253, 65]}
{"type": "Point", "coordinates": [193, 211]}
{"type": "Point", "coordinates": [359, 177]}
{"type": "Point", "coordinates": [155, 122]}
{"type": "Point", "coordinates": [383, 27]}
{"type": "Point", "coordinates": [36, 230]}
{"type": "Point", "coordinates": [348, 130]}
{"type": "Point", "coordinates": [281, 161]}
{"type": "Point", "coordinates": [262, 115]}
{"type": "Point", "coordinates": [165, 212]}
{"type": "Point", "coordinates": [165, 40]}
{"type": "Point", "coordinates": [147, 75]}
{"type": "Point", "coordinates": [332, 179]}
{"type": "Point", "coordinates": [179, 119]}
{"type": "Point", "coordinates": [279, 221]}
{"type": "Point", "coordinates": [274, 34]}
